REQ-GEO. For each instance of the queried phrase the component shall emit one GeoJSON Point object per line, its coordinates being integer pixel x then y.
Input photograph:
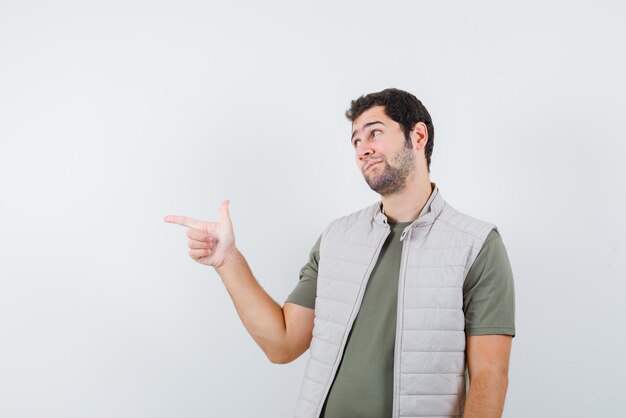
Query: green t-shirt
{"type": "Point", "coordinates": [363, 385]}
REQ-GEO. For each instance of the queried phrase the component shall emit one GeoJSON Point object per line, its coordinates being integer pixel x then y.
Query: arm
{"type": "Point", "coordinates": [488, 366]}
{"type": "Point", "coordinates": [282, 333]}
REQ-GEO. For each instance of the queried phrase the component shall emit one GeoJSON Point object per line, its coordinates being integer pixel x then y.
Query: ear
{"type": "Point", "coordinates": [419, 135]}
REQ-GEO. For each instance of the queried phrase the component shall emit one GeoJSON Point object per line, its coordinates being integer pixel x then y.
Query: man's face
{"type": "Point", "coordinates": [381, 153]}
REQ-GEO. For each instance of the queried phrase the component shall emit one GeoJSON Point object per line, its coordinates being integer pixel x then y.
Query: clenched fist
{"type": "Point", "coordinates": [210, 243]}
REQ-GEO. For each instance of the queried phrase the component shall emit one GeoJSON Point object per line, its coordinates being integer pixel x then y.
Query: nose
{"type": "Point", "coordinates": [364, 150]}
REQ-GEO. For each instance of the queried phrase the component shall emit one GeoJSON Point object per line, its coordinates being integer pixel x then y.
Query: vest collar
{"type": "Point", "coordinates": [427, 216]}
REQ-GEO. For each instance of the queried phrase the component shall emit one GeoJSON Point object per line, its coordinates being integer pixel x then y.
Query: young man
{"type": "Point", "coordinates": [396, 298]}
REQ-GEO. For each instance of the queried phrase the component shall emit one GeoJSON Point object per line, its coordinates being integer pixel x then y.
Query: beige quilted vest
{"type": "Point", "coordinates": [429, 361]}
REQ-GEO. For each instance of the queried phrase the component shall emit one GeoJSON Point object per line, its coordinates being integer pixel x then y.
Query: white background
{"type": "Point", "coordinates": [116, 113]}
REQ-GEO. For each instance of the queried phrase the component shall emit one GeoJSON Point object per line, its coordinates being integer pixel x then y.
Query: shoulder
{"type": "Point", "coordinates": [455, 220]}
{"type": "Point", "coordinates": [358, 217]}
{"type": "Point", "coordinates": [364, 214]}
{"type": "Point", "coordinates": [491, 264]}
{"type": "Point", "coordinates": [493, 248]}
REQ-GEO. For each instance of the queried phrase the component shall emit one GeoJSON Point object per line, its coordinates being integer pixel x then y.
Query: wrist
{"type": "Point", "coordinates": [229, 259]}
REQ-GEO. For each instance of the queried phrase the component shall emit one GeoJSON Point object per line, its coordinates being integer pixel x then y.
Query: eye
{"type": "Point", "coordinates": [374, 133]}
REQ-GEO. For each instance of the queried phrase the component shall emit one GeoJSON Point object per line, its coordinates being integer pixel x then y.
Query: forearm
{"type": "Point", "coordinates": [486, 395]}
{"type": "Point", "coordinates": [262, 317]}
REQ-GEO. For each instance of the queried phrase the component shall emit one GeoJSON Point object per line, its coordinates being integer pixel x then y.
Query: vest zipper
{"type": "Point", "coordinates": [399, 321]}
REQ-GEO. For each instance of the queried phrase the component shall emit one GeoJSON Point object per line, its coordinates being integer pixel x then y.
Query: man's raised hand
{"type": "Point", "coordinates": [210, 243]}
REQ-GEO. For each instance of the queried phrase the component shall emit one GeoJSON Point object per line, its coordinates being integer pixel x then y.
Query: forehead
{"type": "Point", "coordinates": [371, 114]}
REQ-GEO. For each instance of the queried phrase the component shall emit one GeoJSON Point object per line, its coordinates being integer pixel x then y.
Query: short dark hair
{"type": "Point", "coordinates": [402, 107]}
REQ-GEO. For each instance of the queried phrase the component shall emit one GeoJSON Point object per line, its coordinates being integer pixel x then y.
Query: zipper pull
{"type": "Point", "coordinates": [403, 234]}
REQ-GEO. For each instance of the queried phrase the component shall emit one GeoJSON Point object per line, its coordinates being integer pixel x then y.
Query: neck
{"type": "Point", "coordinates": [405, 205]}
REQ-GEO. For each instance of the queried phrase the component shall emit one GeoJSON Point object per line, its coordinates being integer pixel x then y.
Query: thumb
{"type": "Point", "coordinates": [224, 212]}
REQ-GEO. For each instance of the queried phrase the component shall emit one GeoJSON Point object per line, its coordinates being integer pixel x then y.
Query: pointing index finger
{"type": "Point", "coordinates": [184, 221]}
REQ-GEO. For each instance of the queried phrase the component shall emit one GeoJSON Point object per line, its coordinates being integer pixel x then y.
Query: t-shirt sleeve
{"type": "Point", "coordinates": [306, 290]}
{"type": "Point", "coordinates": [488, 292]}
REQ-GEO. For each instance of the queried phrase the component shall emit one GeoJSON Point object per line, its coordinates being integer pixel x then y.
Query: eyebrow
{"type": "Point", "coordinates": [368, 124]}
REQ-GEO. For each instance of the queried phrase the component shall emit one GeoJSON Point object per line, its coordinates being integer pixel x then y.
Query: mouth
{"type": "Point", "coordinates": [372, 164]}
